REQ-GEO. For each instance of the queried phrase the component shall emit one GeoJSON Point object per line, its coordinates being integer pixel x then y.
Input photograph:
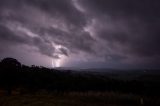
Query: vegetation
{"type": "Point", "coordinates": [28, 85]}
{"type": "Point", "coordinates": [78, 99]}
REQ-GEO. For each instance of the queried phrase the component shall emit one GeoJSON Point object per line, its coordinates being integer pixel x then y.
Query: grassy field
{"type": "Point", "coordinates": [78, 99]}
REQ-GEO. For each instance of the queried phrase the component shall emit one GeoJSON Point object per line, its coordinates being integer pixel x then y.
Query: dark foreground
{"type": "Point", "coordinates": [78, 99]}
{"type": "Point", "coordinates": [22, 85]}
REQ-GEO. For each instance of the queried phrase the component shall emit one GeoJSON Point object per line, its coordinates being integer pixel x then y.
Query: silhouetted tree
{"type": "Point", "coordinates": [9, 73]}
{"type": "Point", "coordinates": [10, 63]}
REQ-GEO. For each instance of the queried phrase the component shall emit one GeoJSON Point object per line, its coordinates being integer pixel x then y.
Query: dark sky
{"type": "Point", "coordinates": [81, 33]}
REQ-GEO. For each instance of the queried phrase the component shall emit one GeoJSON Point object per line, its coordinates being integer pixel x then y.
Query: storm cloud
{"type": "Point", "coordinates": [101, 31]}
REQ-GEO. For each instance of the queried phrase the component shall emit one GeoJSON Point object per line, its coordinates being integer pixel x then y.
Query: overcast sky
{"type": "Point", "coordinates": [81, 33]}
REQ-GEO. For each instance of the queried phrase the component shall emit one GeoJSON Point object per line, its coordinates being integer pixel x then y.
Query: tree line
{"type": "Point", "coordinates": [29, 79]}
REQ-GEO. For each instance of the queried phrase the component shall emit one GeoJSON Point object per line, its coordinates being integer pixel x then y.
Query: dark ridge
{"type": "Point", "coordinates": [29, 79]}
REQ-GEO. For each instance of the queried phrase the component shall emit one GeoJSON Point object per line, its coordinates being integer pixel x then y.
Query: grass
{"type": "Point", "coordinates": [77, 99]}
